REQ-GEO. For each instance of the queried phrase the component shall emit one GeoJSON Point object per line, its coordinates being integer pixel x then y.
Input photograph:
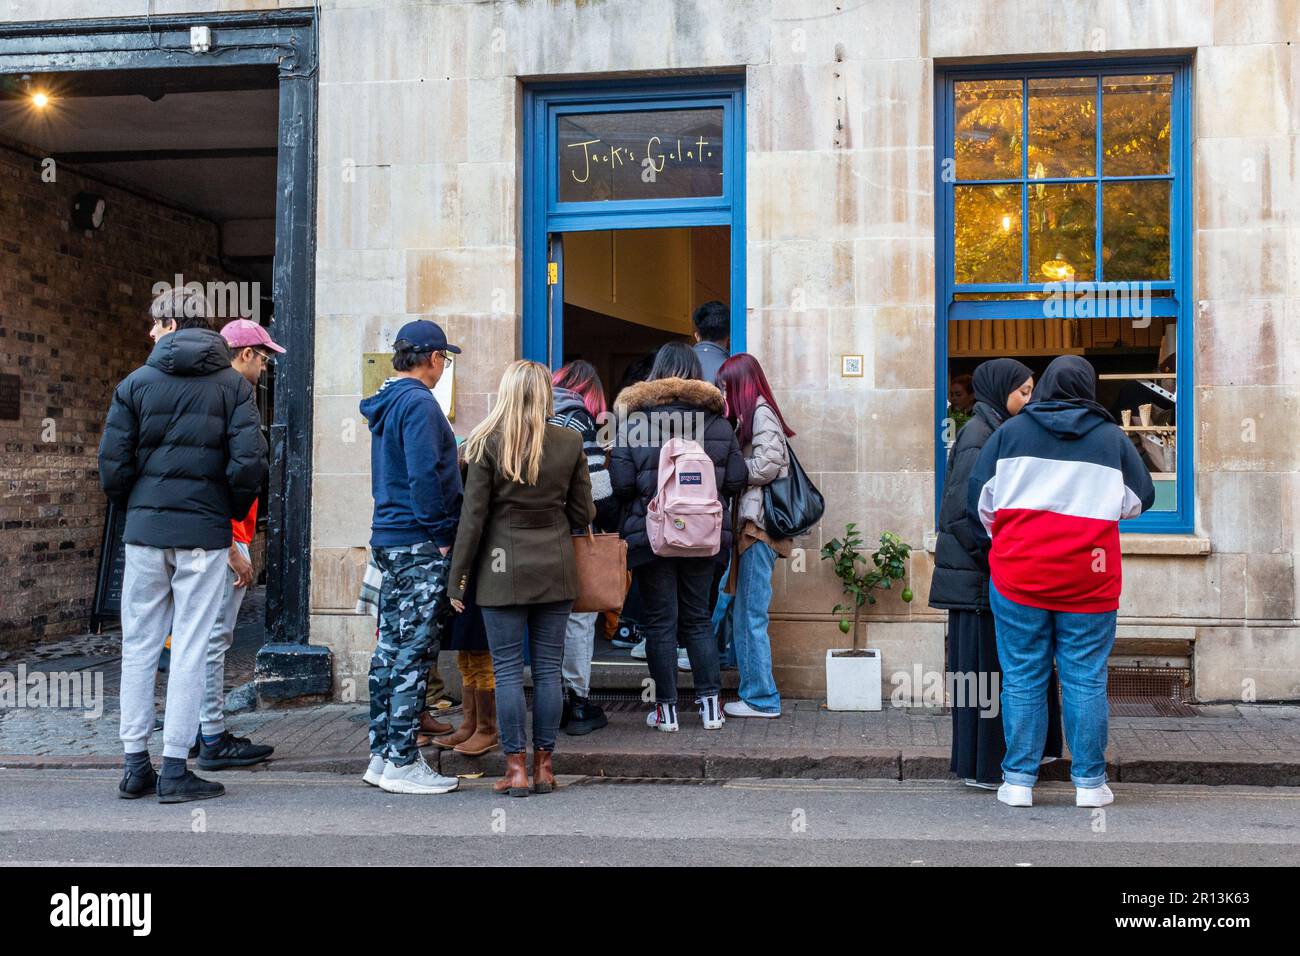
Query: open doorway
{"type": "Point", "coordinates": [626, 292]}
{"type": "Point", "coordinates": [123, 184]}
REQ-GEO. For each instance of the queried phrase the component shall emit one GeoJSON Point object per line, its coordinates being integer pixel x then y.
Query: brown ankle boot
{"type": "Point", "coordinates": [468, 724]}
{"type": "Point", "coordinates": [516, 779]}
{"type": "Point", "coordinates": [543, 775]}
{"type": "Point", "coordinates": [485, 736]}
{"type": "Point", "coordinates": [429, 727]}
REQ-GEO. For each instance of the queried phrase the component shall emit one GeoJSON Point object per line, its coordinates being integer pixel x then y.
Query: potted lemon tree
{"type": "Point", "coordinates": [853, 673]}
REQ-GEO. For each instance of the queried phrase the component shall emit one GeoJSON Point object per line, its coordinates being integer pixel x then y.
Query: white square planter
{"type": "Point", "coordinates": [853, 683]}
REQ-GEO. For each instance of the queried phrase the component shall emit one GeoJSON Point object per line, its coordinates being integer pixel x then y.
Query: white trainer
{"type": "Point", "coordinates": [639, 651]}
{"type": "Point", "coordinates": [416, 777]}
{"type": "Point", "coordinates": [663, 717]}
{"type": "Point", "coordinates": [971, 782]}
{"type": "Point", "coordinates": [683, 660]}
{"type": "Point", "coordinates": [1093, 796]}
{"type": "Point", "coordinates": [738, 708]}
{"type": "Point", "coordinates": [374, 771]}
{"type": "Point", "coordinates": [1015, 796]}
{"type": "Point", "coordinates": [710, 712]}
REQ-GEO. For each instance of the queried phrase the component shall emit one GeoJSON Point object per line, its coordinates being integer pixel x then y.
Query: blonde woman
{"type": "Point", "coordinates": [526, 488]}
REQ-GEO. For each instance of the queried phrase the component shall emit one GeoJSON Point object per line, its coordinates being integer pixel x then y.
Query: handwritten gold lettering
{"type": "Point", "coordinates": [586, 161]}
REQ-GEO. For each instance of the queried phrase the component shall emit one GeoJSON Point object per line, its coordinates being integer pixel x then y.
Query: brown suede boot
{"type": "Point", "coordinates": [543, 775]}
{"type": "Point", "coordinates": [428, 728]}
{"type": "Point", "coordinates": [468, 724]}
{"type": "Point", "coordinates": [485, 736]}
{"type": "Point", "coordinates": [516, 779]}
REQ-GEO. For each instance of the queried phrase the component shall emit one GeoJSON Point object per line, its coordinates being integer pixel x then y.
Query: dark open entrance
{"type": "Point", "coordinates": [134, 156]}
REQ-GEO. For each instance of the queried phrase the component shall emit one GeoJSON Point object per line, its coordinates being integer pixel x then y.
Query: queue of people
{"type": "Point", "coordinates": [474, 544]}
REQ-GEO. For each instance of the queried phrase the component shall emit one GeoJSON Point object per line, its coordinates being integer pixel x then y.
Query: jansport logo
{"type": "Point", "coordinates": [75, 909]}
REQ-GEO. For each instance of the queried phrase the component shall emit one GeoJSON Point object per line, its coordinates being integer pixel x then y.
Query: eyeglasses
{"type": "Point", "coordinates": [447, 360]}
{"type": "Point", "coordinates": [267, 358]}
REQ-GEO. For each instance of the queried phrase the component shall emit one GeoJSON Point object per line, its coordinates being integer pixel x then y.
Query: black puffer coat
{"type": "Point", "coordinates": [961, 562]}
{"type": "Point", "coordinates": [634, 461]}
{"type": "Point", "coordinates": [182, 448]}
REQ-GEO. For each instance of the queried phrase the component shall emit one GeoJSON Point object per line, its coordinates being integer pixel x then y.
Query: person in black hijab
{"type": "Point", "coordinates": [960, 586]}
{"type": "Point", "coordinates": [1072, 379]}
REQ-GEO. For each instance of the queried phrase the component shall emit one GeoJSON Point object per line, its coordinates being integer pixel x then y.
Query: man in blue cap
{"type": "Point", "coordinates": [417, 489]}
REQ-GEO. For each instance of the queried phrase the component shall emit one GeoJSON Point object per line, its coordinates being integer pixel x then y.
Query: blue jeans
{"type": "Point", "coordinates": [537, 629]}
{"type": "Point", "coordinates": [752, 646]}
{"type": "Point", "coordinates": [1028, 639]}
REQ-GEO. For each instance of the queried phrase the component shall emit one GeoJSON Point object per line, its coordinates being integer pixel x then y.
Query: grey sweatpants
{"type": "Point", "coordinates": [167, 588]}
{"type": "Point", "coordinates": [212, 716]}
{"type": "Point", "coordinates": [579, 646]}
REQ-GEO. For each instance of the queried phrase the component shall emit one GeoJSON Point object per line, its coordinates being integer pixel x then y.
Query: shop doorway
{"type": "Point", "coordinates": [623, 293]}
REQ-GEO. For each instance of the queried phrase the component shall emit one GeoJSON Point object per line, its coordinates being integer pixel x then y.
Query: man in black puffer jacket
{"type": "Point", "coordinates": [183, 453]}
{"type": "Point", "coordinates": [674, 591]}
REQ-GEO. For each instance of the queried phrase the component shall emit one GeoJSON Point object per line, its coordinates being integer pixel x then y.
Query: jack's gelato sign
{"type": "Point", "coordinates": [640, 154]}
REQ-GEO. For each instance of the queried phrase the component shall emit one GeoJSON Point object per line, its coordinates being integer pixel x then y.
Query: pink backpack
{"type": "Point", "coordinates": [684, 518]}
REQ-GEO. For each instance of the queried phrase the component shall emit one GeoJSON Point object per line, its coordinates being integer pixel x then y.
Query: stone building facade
{"type": "Point", "coordinates": [421, 208]}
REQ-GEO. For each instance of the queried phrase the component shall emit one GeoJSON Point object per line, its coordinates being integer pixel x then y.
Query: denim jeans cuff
{"type": "Point", "coordinates": [1088, 783]}
{"type": "Point", "coordinates": [1020, 779]}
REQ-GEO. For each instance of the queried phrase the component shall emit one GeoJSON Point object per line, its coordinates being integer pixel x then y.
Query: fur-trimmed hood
{"type": "Point", "coordinates": [669, 391]}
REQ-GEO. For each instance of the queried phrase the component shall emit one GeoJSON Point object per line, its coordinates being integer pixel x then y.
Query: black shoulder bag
{"type": "Point", "coordinates": [792, 505]}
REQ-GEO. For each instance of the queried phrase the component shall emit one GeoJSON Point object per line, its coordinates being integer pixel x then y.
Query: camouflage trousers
{"type": "Point", "coordinates": [413, 609]}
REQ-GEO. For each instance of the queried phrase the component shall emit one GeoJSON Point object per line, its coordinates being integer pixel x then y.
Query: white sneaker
{"type": "Point", "coordinates": [663, 717]}
{"type": "Point", "coordinates": [1046, 760]}
{"type": "Point", "coordinates": [683, 660]}
{"type": "Point", "coordinates": [415, 777]}
{"type": "Point", "coordinates": [710, 712]}
{"type": "Point", "coordinates": [1093, 796]}
{"type": "Point", "coordinates": [639, 651]}
{"type": "Point", "coordinates": [1014, 796]}
{"type": "Point", "coordinates": [374, 771]}
{"type": "Point", "coordinates": [738, 708]}
{"type": "Point", "coordinates": [980, 786]}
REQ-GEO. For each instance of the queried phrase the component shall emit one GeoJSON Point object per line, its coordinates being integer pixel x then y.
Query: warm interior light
{"type": "Point", "coordinates": [40, 100]}
{"type": "Point", "coordinates": [1006, 223]}
{"type": "Point", "coordinates": [1058, 270]}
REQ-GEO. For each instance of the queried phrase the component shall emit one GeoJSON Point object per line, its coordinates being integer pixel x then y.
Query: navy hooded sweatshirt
{"type": "Point", "coordinates": [1050, 488]}
{"type": "Point", "coordinates": [413, 472]}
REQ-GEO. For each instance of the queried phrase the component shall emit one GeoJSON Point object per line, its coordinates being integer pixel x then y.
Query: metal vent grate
{"type": "Point", "coordinates": [1138, 691]}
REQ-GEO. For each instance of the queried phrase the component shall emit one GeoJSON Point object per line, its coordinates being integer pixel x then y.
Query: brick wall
{"type": "Point", "coordinates": [71, 326]}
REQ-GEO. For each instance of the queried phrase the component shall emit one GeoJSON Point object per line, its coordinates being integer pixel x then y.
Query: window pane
{"type": "Point", "coordinates": [1062, 232]}
{"type": "Point", "coordinates": [1135, 124]}
{"type": "Point", "coordinates": [1062, 126]}
{"type": "Point", "coordinates": [603, 156]}
{"type": "Point", "coordinates": [987, 117]}
{"type": "Point", "coordinates": [1136, 363]}
{"type": "Point", "coordinates": [987, 241]}
{"type": "Point", "coordinates": [1135, 230]}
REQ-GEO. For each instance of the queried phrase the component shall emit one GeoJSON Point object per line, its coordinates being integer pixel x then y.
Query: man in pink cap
{"type": "Point", "coordinates": [251, 351]}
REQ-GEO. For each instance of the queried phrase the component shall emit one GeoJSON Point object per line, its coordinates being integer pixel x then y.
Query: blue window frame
{"type": "Point", "coordinates": [1012, 279]}
{"type": "Point", "coordinates": [545, 213]}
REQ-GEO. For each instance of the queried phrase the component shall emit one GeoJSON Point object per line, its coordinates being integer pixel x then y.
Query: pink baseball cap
{"type": "Point", "coordinates": [243, 333]}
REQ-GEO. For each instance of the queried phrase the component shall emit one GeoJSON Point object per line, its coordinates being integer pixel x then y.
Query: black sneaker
{"type": "Point", "coordinates": [137, 785]}
{"type": "Point", "coordinates": [232, 751]}
{"type": "Point", "coordinates": [186, 788]}
{"type": "Point", "coordinates": [584, 717]}
{"type": "Point", "coordinates": [566, 709]}
{"type": "Point", "coordinates": [198, 742]}
{"type": "Point", "coordinates": [627, 635]}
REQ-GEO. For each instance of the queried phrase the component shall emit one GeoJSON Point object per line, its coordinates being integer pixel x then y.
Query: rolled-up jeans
{"type": "Point", "coordinates": [1028, 639]}
{"type": "Point", "coordinates": [542, 626]}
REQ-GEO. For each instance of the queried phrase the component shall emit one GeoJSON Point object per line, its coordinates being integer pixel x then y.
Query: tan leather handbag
{"type": "Point", "coordinates": [602, 572]}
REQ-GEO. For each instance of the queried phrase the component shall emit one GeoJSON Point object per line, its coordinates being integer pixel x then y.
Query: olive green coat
{"type": "Point", "coordinates": [514, 539]}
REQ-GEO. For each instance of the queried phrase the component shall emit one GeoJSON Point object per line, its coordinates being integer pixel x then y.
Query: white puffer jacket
{"type": "Point", "coordinates": [767, 458]}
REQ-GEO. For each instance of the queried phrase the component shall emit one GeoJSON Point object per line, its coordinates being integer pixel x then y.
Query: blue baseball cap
{"type": "Point", "coordinates": [423, 336]}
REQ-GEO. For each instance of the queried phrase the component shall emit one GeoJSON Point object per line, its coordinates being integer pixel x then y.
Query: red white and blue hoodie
{"type": "Point", "coordinates": [1050, 488]}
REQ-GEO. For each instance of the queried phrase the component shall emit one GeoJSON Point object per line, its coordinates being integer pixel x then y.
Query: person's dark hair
{"type": "Point", "coordinates": [638, 371]}
{"type": "Point", "coordinates": [677, 360]}
{"type": "Point", "coordinates": [966, 382]}
{"type": "Point", "coordinates": [187, 306]}
{"type": "Point", "coordinates": [406, 358]}
{"type": "Point", "coordinates": [712, 321]}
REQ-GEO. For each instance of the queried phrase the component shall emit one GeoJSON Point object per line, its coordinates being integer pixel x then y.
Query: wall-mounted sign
{"type": "Point", "coordinates": [649, 154]}
{"type": "Point", "coordinates": [378, 366]}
